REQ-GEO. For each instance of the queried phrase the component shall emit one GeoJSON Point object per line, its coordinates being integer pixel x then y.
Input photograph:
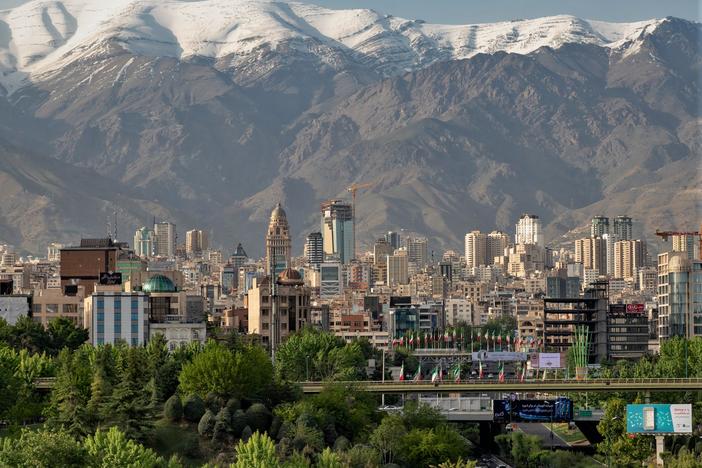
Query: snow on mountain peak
{"type": "Point", "coordinates": [43, 35]}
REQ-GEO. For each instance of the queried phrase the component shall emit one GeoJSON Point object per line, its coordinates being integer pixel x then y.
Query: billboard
{"type": "Point", "coordinates": [635, 308]}
{"type": "Point", "coordinates": [556, 410]}
{"type": "Point", "coordinates": [550, 361]}
{"type": "Point", "coordinates": [498, 356]}
{"type": "Point", "coordinates": [110, 278]}
{"type": "Point", "coordinates": [659, 419]}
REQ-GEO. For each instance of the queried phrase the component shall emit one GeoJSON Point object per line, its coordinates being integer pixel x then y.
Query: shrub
{"type": "Point", "coordinates": [173, 410]}
{"type": "Point", "coordinates": [193, 408]}
{"type": "Point", "coordinates": [206, 424]}
{"type": "Point", "coordinates": [258, 417]}
{"type": "Point", "coordinates": [246, 433]}
{"type": "Point", "coordinates": [238, 423]}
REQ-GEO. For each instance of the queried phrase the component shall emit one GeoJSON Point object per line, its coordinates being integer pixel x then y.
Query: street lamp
{"type": "Point", "coordinates": [307, 367]}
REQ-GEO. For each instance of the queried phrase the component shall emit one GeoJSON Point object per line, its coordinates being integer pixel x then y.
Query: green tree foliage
{"type": "Point", "coordinates": [129, 406]}
{"type": "Point", "coordinates": [616, 445]}
{"type": "Point", "coordinates": [322, 355]}
{"type": "Point", "coordinates": [193, 408]}
{"type": "Point", "coordinates": [113, 449]}
{"type": "Point", "coordinates": [361, 456]}
{"type": "Point", "coordinates": [684, 459]}
{"type": "Point", "coordinates": [207, 423]}
{"type": "Point", "coordinates": [258, 417]}
{"type": "Point", "coordinates": [329, 459]}
{"type": "Point", "coordinates": [460, 463]}
{"type": "Point", "coordinates": [425, 447]}
{"type": "Point", "coordinates": [238, 422]}
{"type": "Point", "coordinates": [63, 333]}
{"type": "Point", "coordinates": [387, 437]}
{"type": "Point", "coordinates": [173, 409]}
{"type": "Point", "coordinates": [69, 399]}
{"type": "Point", "coordinates": [245, 373]}
{"type": "Point", "coordinates": [19, 400]}
{"type": "Point", "coordinates": [256, 452]}
{"type": "Point", "coordinates": [42, 449]}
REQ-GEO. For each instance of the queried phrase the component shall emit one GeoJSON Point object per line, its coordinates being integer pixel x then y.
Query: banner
{"type": "Point", "coordinates": [498, 356]}
{"type": "Point", "coordinates": [558, 410]}
{"type": "Point", "coordinates": [550, 361]}
{"type": "Point", "coordinates": [659, 419]}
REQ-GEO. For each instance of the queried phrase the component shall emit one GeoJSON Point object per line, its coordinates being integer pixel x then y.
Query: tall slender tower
{"type": "Point", "coordinates": [278, 244]}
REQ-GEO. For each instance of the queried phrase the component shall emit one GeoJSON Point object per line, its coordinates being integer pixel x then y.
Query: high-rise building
{"type": "Point", "coordinates": [623, 228]}
{"type": "Point", "coordinates": [679, 296]}
{"type": "Point", "coordinates": [53, 253]}
{"type": "Point", "coordinates": [393, 238]}
{"type": "Point", "coordinates": [239, 258]}
{"type": "Point", "coordinates": [599, 226]}
{"type": "Point", "coordinates": [196, 241]}
{"type": "Point", "coordinates": [278, 243]}
{"type": "Point", "coordinates": [528, 230]}
{"type": "Point", "coordinates": [476, 248]}
{"type": "Point", "coordinates": [144, 242]}
{"type": "Point", "coordinates": [381, 250]}
{"type": "Point", "coordinates": [610, 239]}
{"type": "Point", "coordinates": [165, 233]}
{"type": "Point", "coordinates": [337, 230]}
{"type": "Point", "coordinates": [314, 249]}
{"type": "Point", "coordinates": [685, 243]}
{"type": "Point", "coordinates": [592, 253]}
{"type": "Point", "coordinates": [417, 251]}
{"type": "Point", "coordinates": [497, 242]}
{"type": "Point", "coordinates": [629, 256]}
{"type": "Point", "coordinates": [398, 269]}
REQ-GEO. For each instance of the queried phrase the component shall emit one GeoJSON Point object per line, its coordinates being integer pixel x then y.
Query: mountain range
{"type": "Point", "coordinates": [207, 113]}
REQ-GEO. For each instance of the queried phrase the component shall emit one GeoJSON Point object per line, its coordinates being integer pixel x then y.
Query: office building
{"type": "Point", "coordinates": [51, 303]}
{"type": "Point", "coordinates": [623, 228]}
{"type": "Point", "coordinates": [111, 315]}
{"type": "Point", "coordinates": [686, 243]}
{"type": "Point", "coordinates": [239, 258]}
{"type": "Point", "coordinates": [53, 252]}
{"type": "Point", "coordinates": [278, 243]}
{"type": "Point", "coordinates": [228, 279]}
{"type": "Point", "coordinates": [599, 226]}
{"type": "Point", "coordinates": [196, 242]}
{"type": "Point", "coordinates": [83, 265]}
{"type": "Point", "coordinates": [528, 230]}
{"type": "Point", "coordinates": [679, 296]}
{"type": "Point", "coordinates": [292, 306]}
{"type": "Point", "coordinates": [397, 269]}
{"type": "Point", "coordinates": [648, 280]}
{"type": "Point", "coordinates": [144, 242]}
{"type": "Point", "coordinates": [610, 239]}
{"type": "Point", "coordinates": [627, 331]}
{"type": "Point", "coordinates": [314, 249]}
{"type": "Point", "coordinates": [393, 238]}
{"type": "Point", "coordinates": [417, 251]}
{"type": "Point", "coordinates": [165, 237]}
{"type": "Point", "coordinates": [381, 249]}
{"type": "Point", "coordinates": [592, 253]}
{"type": "Point", "coordinates": [562, 286]}
{"type": "Point", "coordinates": [331, 281]}
{"type": "Point", "coordinates": [629, 257]}
{"type": "Point", "coordinates": [337, 230]}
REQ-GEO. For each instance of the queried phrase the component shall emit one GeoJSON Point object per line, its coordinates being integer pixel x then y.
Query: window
{"type": "Point", "coordinates": [36, 309]}
{"type": "Point", "coordinates": [70, 308]}
{"type": "Point", "coordinates": [52, 308]}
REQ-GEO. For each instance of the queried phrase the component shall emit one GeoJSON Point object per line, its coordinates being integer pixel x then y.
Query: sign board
{"type": "Point", "coordinates": [110, 278]}
{"type": "Point", "coordinates": [498, 356]}
{"type": "Point", "coordinates": [659, 419]}
{"type": "Point", "coordinates": [550, 361]}
{"type": "Point", "coordinates": [557, 410]}
{"type": "Point", "coordinates": [635, 308]}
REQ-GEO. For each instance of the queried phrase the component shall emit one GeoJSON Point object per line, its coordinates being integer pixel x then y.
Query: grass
{"type": "Point", "coordinates": [571, 436]}
{"type": "Point", "coordinates": [179, 439]}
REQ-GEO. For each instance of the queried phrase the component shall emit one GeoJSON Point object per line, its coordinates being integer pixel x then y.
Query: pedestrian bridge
{"type": "Point", "coordinates": [559, 386]}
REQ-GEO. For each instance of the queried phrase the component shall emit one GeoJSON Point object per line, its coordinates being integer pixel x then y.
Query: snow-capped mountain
{"type": "Point", "coordinates": [41, 36]}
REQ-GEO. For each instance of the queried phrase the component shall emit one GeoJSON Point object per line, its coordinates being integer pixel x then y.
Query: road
{"type": "Point", "coordinates": [544, 432]}
{"type": "Point", "coordinates": [491, 461]}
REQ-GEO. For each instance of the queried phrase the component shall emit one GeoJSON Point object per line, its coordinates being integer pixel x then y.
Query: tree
{"type": "Point", "coordinates": [68, 407]}
{"type": "Point", "coordinates": [42, 449]}
{"type": "Point", "coordinates": [329, 459]}
{"type": "Point", "coordinates": [222, 426]}
{"type": "Point", "coordinates": [193, 408]}
{"type": "Point", "coordinates": [173, 409]}
{"type": "Point", "coordinates": [387, 437]}
{"type": "Point", "coordinates": [523, 446]}
{"type": "Point", "coordinates": [113, 449]}
{"type": "Point", "coordinates": [246, 373]}
{"type": "Point", "coordinates": [258, 417]}
{"type": "Point", "coordinates": [206, 425]}
{"type": "Point", "coordinates": [257, 452]}
{"type": "Point", "coordinates": [615, 445]}
{"type": "Point", "coordinates": [238, 422]}
{"type": "Point", "coordinates": [460, 463]}
{"type": "Point", "coordinates": [63, 333]}
{"type": "Point", "coordinates": [425, 447]}
{"type": "Point", "coordinates": [30, 335]}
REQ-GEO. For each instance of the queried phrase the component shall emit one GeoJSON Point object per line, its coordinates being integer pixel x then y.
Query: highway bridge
{"type": "Point", "coordinates": [551, 386]}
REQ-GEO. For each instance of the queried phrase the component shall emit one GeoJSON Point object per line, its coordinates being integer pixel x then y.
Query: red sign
{"type": "Point", "coordinates": [635, 308]}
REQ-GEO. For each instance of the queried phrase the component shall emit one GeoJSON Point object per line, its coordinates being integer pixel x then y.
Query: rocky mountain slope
{"type": "Point", "coordinates": [209, 112]}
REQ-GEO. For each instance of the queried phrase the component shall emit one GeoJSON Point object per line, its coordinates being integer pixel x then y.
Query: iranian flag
{"type": "Point", "coordinates": [508, 342]}
{"type": "Point", "coordinates": [402, 372]}
{"type": "Point", "coordinates": [523, 376]}
{"type": "Point", "coordinates": [436, 375]}
{"type": "Point", "coordinates": [446, 336]}
{"type": "Point", "coordinates": [499, 340]}
{"type": "Point", "coordinates": [418, 376]}
{"type": "Point", "coordinates": [501, 375]}
{"type": "Point", "coordinates": [480, 369]}
{"type": "Point", "coordinates": [456, 373]}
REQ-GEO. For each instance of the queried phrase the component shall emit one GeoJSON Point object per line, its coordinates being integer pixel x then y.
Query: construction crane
{"type": "Point", "coordinates": [353, 188]}
{"type": "Point", "coordinates": [665, 234]}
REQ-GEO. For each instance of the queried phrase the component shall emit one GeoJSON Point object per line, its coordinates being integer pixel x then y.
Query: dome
{"type": "Point", "coordinates": [159, 284]}
{"type": "Point", "coordinates": [278, 213]}
{"type": "Point", "coordinates": [290, 276]}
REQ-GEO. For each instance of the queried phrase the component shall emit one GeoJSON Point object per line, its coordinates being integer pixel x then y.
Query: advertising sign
{"type": "Point", "coordinates": [558, 410]}
{"type": "Point", "coordinates": [498, 356]}
{"type": "Point", "coordinates": [110, 278]}
{"type": "Point", "coordinates": [550, 361]}
{"type": "Point", "coordinates": [659, 419]}
{"type": "Point", "coordinates": [635, 308]}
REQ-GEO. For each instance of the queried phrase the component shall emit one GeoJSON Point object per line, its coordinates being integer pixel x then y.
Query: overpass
{"type": "Point", "coordinates": [551, 386]}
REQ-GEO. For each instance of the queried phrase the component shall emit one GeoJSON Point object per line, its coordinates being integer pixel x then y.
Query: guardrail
{"type": "Point", "coordinates": [557, 385]}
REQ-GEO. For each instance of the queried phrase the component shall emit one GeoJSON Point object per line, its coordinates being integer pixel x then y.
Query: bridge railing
{"type": "Point", "coordinates": [512, 382]}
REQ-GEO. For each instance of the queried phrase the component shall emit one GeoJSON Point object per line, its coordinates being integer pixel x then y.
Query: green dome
{"type": "Point", "coordinates": [159, 284]}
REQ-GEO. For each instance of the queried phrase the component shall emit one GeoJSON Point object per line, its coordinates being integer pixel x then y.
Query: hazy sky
{"type": "Point", "coordinates": [481, 11]}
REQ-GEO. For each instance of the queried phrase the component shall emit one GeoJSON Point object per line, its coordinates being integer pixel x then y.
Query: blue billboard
{"type": "Point", "coordinates": [659, 419]}
{"type": "Point", "coordinates": [555, 410]}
